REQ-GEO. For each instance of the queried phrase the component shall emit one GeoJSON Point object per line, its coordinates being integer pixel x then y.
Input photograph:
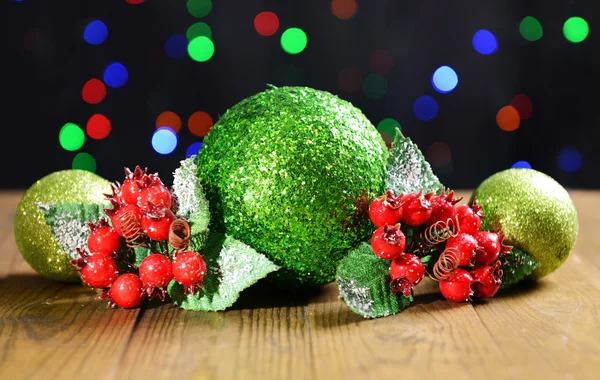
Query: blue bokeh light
{"type": "Point", "coordinates": [115, 75]}
{"type": "Point", "coordinates": [570, 160]}
{"type": "Point", "coordinates": [164, 140]}
{"type": "Point", "coordinates": [193, 149]}
{"type": "Point", "coordinates": [425, 108]}
{"type": "Point", "coordinates": [484, 42]}
{"type": "Point", "coordinates": [95, 32]}
{"type": "Point", "coordinates": [444, 79]}
{"type": "Point", "coordinates": [176, 46]}
{"type": "Point", "coordinates": [521, 165]}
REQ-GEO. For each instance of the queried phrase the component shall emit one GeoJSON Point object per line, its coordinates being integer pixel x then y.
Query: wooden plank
{"type": "Point", "coordinates": [269, 340]}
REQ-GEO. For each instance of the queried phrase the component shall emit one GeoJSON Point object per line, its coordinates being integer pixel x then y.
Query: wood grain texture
{"type": "Point", "coordinates": [547, 330]}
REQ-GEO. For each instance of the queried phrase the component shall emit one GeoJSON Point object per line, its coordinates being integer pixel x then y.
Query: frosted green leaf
{"type": "Point", "coordinates": [407, 169]}
{"type": "Point", "coordinates": [232, 266]}
{"type": "Point", "coordinates": [516, 266]}
{"type": "Point", "coordinates": [364, 284]}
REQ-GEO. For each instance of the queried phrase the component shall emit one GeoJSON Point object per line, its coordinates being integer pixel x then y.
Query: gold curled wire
{"type": "Point", "coordinates": [446, 264]}
{"type": "Point", "coordinates": [179, 234]}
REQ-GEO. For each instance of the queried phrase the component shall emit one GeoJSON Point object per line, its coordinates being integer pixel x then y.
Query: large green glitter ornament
{"type": "Point", "coordinates": [535, 213]}
{"type": "Point", "coordinates": [289, 171]}
{"type": "Point", "coordinates": [65, 200]}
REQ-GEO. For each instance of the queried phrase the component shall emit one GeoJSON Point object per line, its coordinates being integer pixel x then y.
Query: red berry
{"type": "Point", "coordinates": [124, 217]}
{"type": "Point", "coordinates": [158, 195]}
{"type": "Point", "coordinates": [487, 280]}
{"type": "Point", "coordinates": [388, 242]}
{"type": "Point", "coordinates": [458, 287]}
{"type": "Point", "coordinates": [130, 191]}
{"type": "Point", "coordinates": [406, 272]}
{"type": "Point", "coordinates": [103, 240]}
{"type": "Point", "coordinates": [156, 222]}
{"type": "Point", "coordinates": [489, 247]}
{"type": "Point", "coordinates": [468, 219]}
{"type": "Point", "coordinates": [156, 272]}
{"type": "Point", "coordinates": [416, 209]}
{"type": "Point", "coordinates": [99, 271]}
{"type": "Point", "coordinates": [126, 291]}
{"type": "Point", "coordinates": [466, 245]}
{"type": "Point", "coordinates": [386, 209]}
{"type": "Point", "coordinates": [189, 269]}
{"type": "Point", "coordinates": [442, 207]}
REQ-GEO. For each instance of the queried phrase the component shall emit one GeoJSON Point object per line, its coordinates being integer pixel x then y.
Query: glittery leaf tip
{"type": "Point", "coordinates": [516, 266]}
{"type": "Point", "coordinates": [69, 223]}
{"type": "Point", "coordinates": [364, 284]}
{"type": "Point", "coordinates": [232, 267]}
{"type": "Point", "coordinates": [407, 169]}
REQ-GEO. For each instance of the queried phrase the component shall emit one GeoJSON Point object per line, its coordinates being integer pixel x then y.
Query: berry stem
{"type": "Point", "coordinates": [132, 266]}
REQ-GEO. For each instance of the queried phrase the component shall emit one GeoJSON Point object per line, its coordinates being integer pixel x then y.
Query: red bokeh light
{"type": "Point", "coordinates": [135, 1]}
{"type": "Point", "coordinates": [200, 123]}
{"type": "Point", "coordinates": [350, 79]}
{"type": "Point", "coordinates": [508, 118]}
{"type": "Point", "coordinates": [98, 127]}
{"type": "Point", "coordinates": [93, 91]}
{"type": "Point", "coordinates": [266, 23]}
{"type": "Point", "coordinates": [344, 9]}
{"type": "Point", "coordinates": [169, 119]}
{"type": "Point", "coordinates": [381, 62]}
{"type": "Point", "coordinates": [523, 106]}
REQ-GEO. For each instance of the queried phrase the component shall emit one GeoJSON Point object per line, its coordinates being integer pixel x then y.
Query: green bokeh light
{"type": "Point", "coordinates": [71, 137]}
{"type": "Point", "coordinates": [84, 161]}
{"type": "Point", "coordinates": [576, 29]}
{"type": "Point", "coordinates": [374, 86]}
{"type": "Point", "coordinates": [199, 8]}
{"type": "Point", "coordinates": [293, 40]}
{"type": "Point", "coordinates": [531, 29]}
{"type": "Point", "coordinates": [198, 29]}
{"type": "Point", "coordinates": [388, 126]}
{"type": "Point", "coordinates": [201, 49]}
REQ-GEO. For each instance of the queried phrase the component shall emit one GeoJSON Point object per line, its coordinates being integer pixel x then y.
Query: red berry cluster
{"type": "Point", "coordinates": [466, 260]}
{"type": "Point", "coordinates": [141, 216]}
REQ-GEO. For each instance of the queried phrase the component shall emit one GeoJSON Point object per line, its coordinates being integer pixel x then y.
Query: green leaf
{"type": "Point", "coordinates": [191, 204]}
{"type": "Point", "coordinates": [516, 266]}
{"type": "Point", "coordinates": [407, 169]}
{"type": "Point", "coordinates": [69, 223]}
{"type": "Point", "coordinates": [364, 284]}
{"type": "Point", "coordinates": [232, 267]}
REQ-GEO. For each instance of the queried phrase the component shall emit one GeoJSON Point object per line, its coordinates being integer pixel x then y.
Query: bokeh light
{"type": "Point", "coordinates": [388, 126]}
{"type": "Point", "coordinates": [98, 127]}
{"type": "Point", "coordinates": [381, 62]}
{"type": "Point", "coordinates": [350, 79]}
{"type": "Point", "coordinates": [387, 139]}
{"type": "Point", "coordinates": [570, 160]}
{"type": "Point", "coordinates": [193, 149]}
{"type": "Point", "coordinates": [484, 42]}
{"type": "Point", "coordinates": [71, 137]}
{"type": "Point", "coordinates": [134, 2]}
{"type": "Point", "coordinates": [169, 119]}
{"type": "Point", "coordinates": [198, 29]}
{"type": "Point", "coordinates": [444, 79]}
{"type": "Point", "coordinates": [508, 118]}
{"type": "Point", "coordinates": [201, 49]}
{"type": "Point", "coordinates": [521, 165]}
{"type": "Point", "coordinates": [115, 75]}
{"type": "Point", "coordinates": [523, 106]}
{"type": "Point", "coordinates": [200, 123]}
{"type": "Point", "coordinates": [266, 23]}
{"type": "Point", "coordinates": [374, 86]}
{"type": "Point", "coordinates": [439, 154]}
{"type": "Point", "coordinates": [164, 140]}
{"type": "Point", "coordinates": [176, 46]}
{"type": "Point", "coordinates": [425, 108]}
{"type": "Point", "coordinates": [576, 29]}
{"type": "Point", "coordinates": [95, 32]}
{"type": "Point", "coordinates": [294, 40]}
{"type": "Point", "coordinates": [531, 29]}
{"type": "Point", "coordinates": [84, 161]}
{"type": "Point", "coordinates": [93, 91]}
{"type": "Point", "coordinates": [344, 9]}
{"type": "Point", "coordinates": [199, 8]}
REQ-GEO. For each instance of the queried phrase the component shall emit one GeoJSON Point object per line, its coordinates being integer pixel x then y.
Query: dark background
{"type": "Point", "coordinates": [47, 61]}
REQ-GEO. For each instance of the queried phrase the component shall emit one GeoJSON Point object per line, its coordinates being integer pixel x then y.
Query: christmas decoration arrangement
{"type": "Point", "coordinates": [294, 187]}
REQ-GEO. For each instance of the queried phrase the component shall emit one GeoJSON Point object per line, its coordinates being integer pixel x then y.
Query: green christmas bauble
{"type": "Point", "coordinates": [289, 171]}
{"type": "Point", "coordinates": [61, 199]}
{"type": "Point", "coordinates": [534, 212]}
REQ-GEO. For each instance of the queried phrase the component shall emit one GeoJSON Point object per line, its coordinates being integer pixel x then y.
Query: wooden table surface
{"type": "Point", "coordinates": [550, 329]}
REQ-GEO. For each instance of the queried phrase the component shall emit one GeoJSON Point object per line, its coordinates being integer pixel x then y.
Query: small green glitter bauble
{"type": "Point", "coordinates": [534, 212]}
{"type": "Point", "coordinates": [284, 172]}
{"type": "Point", "coordinates": [34, 237]}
